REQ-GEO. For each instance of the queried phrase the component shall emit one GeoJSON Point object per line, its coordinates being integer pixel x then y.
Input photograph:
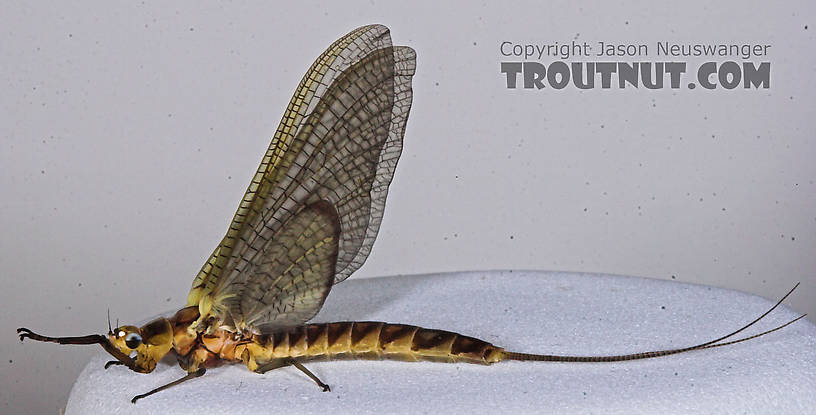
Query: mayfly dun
{"type": "Point", "coordinates": [307, 221]}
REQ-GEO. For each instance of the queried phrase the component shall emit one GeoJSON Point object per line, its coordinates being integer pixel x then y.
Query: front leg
{"type": "Point", "coordinates": [25, 333]}
{"type": "Point", "coordinates": [99, 339]}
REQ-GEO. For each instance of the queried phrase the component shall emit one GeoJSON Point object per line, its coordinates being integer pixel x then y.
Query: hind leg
{"type": "Point", "coordinates": [277, 363]}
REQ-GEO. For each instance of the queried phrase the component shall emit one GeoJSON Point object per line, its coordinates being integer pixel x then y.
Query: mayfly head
{"type": "Point", "coordinates": [126, 338]}
{"type": "Point", "coordinates": [150, 342]}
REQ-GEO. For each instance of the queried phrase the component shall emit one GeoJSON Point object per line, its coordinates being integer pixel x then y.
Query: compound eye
{"type": "Point", "coordinates": [133, 340]}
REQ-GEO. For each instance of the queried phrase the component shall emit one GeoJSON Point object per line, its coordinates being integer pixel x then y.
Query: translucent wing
{"type": "Point", "coordinates": [293, 274]}
{"type": "Point", "coordinates": [338, 143]}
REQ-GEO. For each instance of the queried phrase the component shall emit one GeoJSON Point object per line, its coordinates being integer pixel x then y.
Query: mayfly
{"type": "Point", "coordinates": [307, 221]}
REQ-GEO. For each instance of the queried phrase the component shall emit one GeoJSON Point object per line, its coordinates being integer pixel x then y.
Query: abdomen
{"type": "Point", "coordinates": [372, 340]}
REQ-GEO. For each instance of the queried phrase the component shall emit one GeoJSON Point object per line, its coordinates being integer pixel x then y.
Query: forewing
{"type": "Point", "coordinates": [336, 58]}
{"type": "Point", "coordinates": [338, 142]}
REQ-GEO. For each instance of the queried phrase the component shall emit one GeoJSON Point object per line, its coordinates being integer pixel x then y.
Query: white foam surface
{"type": "Point", "coordinates": [535, 312]}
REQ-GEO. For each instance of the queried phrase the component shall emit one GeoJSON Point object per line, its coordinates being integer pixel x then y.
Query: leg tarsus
{"type": "Point", "coordinates": [308, 373]}
{"type": "Point", "coordinates": [113, 363]}
{"type": "Point", "coordinates": [189, 376]}
{"type": "Point", "coordinates": [23, 332]}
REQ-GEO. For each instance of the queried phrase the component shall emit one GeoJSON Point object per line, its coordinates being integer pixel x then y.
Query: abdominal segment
{"type": "Point", "coordinates": [362, 340]}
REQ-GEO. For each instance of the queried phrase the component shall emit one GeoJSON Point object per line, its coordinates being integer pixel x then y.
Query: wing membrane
{"type": "Point", "coordinates": [338, 142]}
{"type": "Point", "coordinates": [292, 276]}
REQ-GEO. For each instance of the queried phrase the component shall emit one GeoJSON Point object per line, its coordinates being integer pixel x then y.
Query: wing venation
{"type": "Point", "coordinates": [292, 276]}
{"type": "Point", "coordinates": [338, 144]}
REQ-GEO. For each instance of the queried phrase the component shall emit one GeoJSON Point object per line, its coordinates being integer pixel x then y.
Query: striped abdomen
{"type": "Point", "coordinates": [369, 340]}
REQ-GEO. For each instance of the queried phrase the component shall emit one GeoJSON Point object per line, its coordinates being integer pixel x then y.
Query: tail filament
{"type": "Point", "coordinates": [647, 355]}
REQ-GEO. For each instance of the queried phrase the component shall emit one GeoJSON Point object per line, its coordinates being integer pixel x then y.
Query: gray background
{"type": "Point", "coordinates": [130, 131]}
